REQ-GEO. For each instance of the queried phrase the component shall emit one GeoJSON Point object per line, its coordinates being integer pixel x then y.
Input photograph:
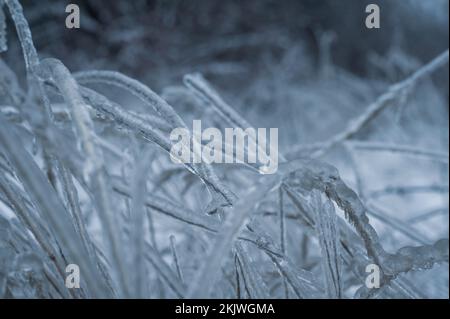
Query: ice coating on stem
{"type": "Point", "coordinates": [324, 177]}
{"type": "Point", "coordinates": [3, 35]}
{"type": "Point", "coordinates": [23, 31]}
{"type": "Point", "coordinates": [326, 227]}
{"type": "Point", "coordinates": [137, 240]}
{"type": "Point", "coordinates": [252, 278]}
{"type": "Point", "coordinates": [94, 173]}
{"type": "Point", "coordinates": [221, 196]}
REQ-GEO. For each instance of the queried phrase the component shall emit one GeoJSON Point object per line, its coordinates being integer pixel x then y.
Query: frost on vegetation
{"type": "Point", "coordinates": [326, 226]}
{"type": "Point", "coordinates": [86, 179]}
{"type": "Point", "coordinates": [3, 40]}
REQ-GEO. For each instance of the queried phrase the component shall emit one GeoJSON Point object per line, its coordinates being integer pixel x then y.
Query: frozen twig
{"type": "Point", "coordinates": [175, 257]}
{"type": "Point", "coordinates": [386, 217]}
{"type": "Point", "coordinates": [381, 103]}
{"type": "Point", "coordinates": [404, 149]}
{"type": "Point", "coordinates": [201, 87]}
{"type": "Point", "coordinates": [407, 190]}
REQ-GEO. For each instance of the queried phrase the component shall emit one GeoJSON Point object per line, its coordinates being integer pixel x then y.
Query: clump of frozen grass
{"type": "Point", "coordinates": [73, 194]}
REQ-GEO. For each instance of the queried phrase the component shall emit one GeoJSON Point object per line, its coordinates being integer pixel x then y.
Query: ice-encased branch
{"type": "Point", "coordinates": [383, 101]}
